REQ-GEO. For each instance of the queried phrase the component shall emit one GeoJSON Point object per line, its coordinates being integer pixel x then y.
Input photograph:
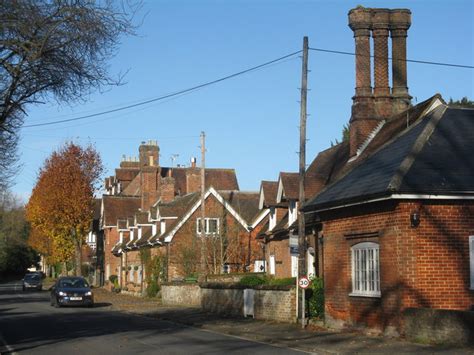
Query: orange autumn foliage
{"type": "Point", "coordinates": [60, 208]}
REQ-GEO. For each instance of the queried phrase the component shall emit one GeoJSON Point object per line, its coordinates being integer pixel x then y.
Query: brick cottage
{"type": "Point", "coordinates": [396, 220]}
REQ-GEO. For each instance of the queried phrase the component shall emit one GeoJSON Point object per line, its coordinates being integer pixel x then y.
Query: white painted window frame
{"type": "Point", "coordinates": [272, 220]}
{"type": "Point", "coordinates": [292, 212]}
{"type": "Point", "coordinates": [365, 261]}
{"type": "Point", "coordinates": [471, 259]}
{"type": "Point", "coordinates": [272, 265]}
{"type": "Point", "coordinates": [206, 226]}
{"type": "Point", "coordinates": [162, 227]}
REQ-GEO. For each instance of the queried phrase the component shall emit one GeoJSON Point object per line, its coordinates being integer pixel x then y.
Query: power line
{"type": "Point", "coordinates": [168, 95]}
{"type": "Point", "coordinates": [406, 60]}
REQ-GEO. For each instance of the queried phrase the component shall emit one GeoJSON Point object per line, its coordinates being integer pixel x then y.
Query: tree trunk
{"type": "Point", "coordinates": [78, 259]}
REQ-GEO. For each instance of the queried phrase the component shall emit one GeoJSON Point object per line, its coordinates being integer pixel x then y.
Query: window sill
{"type": "Point", "coordinates": [367, 295]}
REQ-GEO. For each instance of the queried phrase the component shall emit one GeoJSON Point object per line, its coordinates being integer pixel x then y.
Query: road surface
{"type": "Point", "coordinates": [29, 325]}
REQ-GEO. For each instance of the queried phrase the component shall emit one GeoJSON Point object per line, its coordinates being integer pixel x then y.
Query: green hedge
{"type": "Point", "coordinates": [316, 301]}
{"type": "Point", "coordinates": [255, 280]}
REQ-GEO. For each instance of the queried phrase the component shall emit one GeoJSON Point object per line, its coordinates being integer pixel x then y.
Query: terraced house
{"type": "Point", "coordinates": [147, 206]}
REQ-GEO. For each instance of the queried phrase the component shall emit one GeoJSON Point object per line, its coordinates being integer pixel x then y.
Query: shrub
{"type": "Point", "coordinates": [288, 281]}
{"type": "Point", "coordinates": [116, 284]}
{"type": "Point", "coordinates": [152, 288]}
{"type": "Point", "coordinates": [252, 280]}
{"type": "Point", "coordinates": [113, 278]}
{"type": "Point", "coordinates": [316, 301]}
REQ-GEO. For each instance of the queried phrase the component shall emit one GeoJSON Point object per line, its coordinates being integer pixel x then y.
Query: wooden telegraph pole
{"type": "Point", "coordinates": [302, 168]}
{"type": "Point", "coordinates": [203, 266]}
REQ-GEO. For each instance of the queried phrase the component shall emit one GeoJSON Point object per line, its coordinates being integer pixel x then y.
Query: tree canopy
{"type": "Point", "coordinates": [61, 205]}
{"type": "Point", "coordinates": [464, 102]}
{"type": "Point", "coordinates": [53, 50]}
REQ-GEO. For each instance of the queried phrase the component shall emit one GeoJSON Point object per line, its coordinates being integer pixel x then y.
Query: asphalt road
{"type": "Point", "coordinates": [29, 325]}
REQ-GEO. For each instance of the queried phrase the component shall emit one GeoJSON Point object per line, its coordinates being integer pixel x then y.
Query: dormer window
{"type": "Point", "coordinates": [272, 218]}
{"type": "Point", "coordinates": [121, 237]}
{"type": "Point", "coordinates": [153, 229]}
{"type": "Point", "coordinates": [139, 233]}
{"type": "Point", "coordinates": [131, 234]}
{"type": "Point", "coordinates": [162, 227]}
{"type": "Point", "coordinates": [292, 212]}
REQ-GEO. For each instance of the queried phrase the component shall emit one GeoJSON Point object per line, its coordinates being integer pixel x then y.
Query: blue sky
{"type": "Point", "coordinates": [251, 121]}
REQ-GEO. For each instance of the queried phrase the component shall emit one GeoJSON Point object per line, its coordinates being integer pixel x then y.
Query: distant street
{"type": "Point", "coordinates": [28, 324]}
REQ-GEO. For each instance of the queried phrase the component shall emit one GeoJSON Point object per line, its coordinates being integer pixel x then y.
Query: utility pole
{"type": "Point", "coordinates": [203, 209]}
{"type": "Point", "coordinates": [302, 168]}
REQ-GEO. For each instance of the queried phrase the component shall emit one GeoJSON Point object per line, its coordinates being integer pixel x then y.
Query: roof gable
{"type": "Point", "coordinates": [211, 191]}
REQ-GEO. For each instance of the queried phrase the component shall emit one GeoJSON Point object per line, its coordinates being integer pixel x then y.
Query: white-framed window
{"type": "Point", "coordinates": [139, 233]}
{"type": "Point", "coordinates": [292, 212]}
{"type": "Point", "coordinates": [259, 266]}
{"type": "Point", "coordinates": [131, 234]}
{"type": "Point", "coordinates": [272, 219]}
{"type": "Point", "coordinates": [153, 229]}
{"type": "Point", "coordinates": [121, 237]}
{"type": "Point", "coordinates": [211, 226]}
{"type": "Point", "coordinates": [471, 259]}
{"type": "Point", "coordinates": [272, 264]}
{"type": "Point", "coordinates": [365, 270]}
{"type": "Point", "coordinates": [294, 265]}
{"type": "Point", "coordinates": [162, 227]}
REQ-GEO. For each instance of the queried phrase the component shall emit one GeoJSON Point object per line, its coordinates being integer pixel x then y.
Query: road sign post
{"type": "Point", "coordinates": [303, 283]}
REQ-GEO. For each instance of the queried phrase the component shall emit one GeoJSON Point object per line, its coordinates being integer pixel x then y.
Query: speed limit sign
{"type": "Point", "coordinates": [303, 282]}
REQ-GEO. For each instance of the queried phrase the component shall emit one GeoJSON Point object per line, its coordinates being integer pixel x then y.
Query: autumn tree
{"type": "Point", "coordinates": [54, 50]}
{"type": "Point", "coordinates": [61, 205]}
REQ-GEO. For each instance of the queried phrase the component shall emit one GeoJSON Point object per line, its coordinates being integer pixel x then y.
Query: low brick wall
{"type": "Point", "coordinates": [180, 294]}
{"type": "Point", "coordinates": [270, 302]}
{"type": "Point", "coordinates": [439, 326]}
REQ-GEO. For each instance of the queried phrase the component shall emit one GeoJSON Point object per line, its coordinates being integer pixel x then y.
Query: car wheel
{"type": "Point", "coordinates": [91, 305]}
{"type": "Point", "coordinates": [56, 303]}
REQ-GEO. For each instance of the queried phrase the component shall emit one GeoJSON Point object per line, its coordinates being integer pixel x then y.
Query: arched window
{"type": "Point", "coordinates": [365, 270]}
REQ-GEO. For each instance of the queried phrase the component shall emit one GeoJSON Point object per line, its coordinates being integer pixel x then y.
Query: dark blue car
{"type": "Point", "coordinates": [71, 291]}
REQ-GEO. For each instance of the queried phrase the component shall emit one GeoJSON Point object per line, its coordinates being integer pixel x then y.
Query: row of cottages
{"type": "Point", "coordinates": [389, 212]}
{"type": "Point", "coordinates": [150, 207]}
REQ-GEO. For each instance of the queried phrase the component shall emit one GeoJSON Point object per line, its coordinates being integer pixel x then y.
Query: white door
{"type": "Point", "coordinates": [249, 302]}
{"type": "Point", "coordinates": [272, 264]}
{"type": "Point", "coordinates": [310, 266]}
{"type": "Point", "coordinates": [294, 265]}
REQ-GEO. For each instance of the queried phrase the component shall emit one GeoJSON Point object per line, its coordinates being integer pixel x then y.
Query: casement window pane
{"type": "Point", "coordinates": [365, 273]}
{"type": "Point", "coordinates": [212, 226]}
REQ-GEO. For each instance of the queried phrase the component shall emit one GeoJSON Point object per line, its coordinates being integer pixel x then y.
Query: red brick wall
{"type": "Point", "coordinates": [281, 249]}
{"type": "Point", "coordinates": [186, 238]}
{"type": "Point", "coordinates": [111, 237]}
{"type": "Point", "coordinates": [427, 266]}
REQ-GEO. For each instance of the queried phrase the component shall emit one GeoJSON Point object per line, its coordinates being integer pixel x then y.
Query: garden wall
{"type": "Point", "coordinates": [270, 302]}
{"type": "Point", "coordinates": [439, 326]}
{"type": "Point", "coordinates": [181, 294]}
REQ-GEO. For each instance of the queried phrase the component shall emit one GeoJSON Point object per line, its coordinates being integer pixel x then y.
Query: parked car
{"type": "Point", "coordinates": [32, 281]}
{"type": "Point", "coordinates": [71, 291]}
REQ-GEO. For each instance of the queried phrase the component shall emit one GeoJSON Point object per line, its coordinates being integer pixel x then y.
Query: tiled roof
{"type": "Point", "coordinates": [122, 224]}
{"type": "Point", "coordinates": [146, 234]}
{"type": "Point", "coordinates": [118, 207]}
{"type": "Point", "coordinates": [244, 203]}
{"type": "Point", "coordinates": [127, 174]}
{"type": "Point", "coordinates": [141, 217]}
{"type": "Point", "coordinates": [178, 206]}
{"type": "Point", "coordinates": [429, 157]}
{"type": "Point", "coordinates": [290, 182]}
{"type": "Point", "coordinates": [133, 188]}
{"type": "Point", "coordinates": [269, 190]}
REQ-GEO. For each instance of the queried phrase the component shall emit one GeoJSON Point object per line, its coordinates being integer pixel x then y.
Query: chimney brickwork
{"type": "Point", "coordinates": [370, 106]}
{"type": "Point", "coordinates": [400, 21]}
{"type": "Point", "coordinates": [167, 189]}
{"type": "Point", "coordinates": [193, 180]}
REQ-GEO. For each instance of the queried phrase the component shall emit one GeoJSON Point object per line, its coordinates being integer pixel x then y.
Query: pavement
{"type": "Point", "coordinates": [312, 339]}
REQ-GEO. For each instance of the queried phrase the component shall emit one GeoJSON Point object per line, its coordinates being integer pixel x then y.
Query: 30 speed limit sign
{"type": "Point", "coordinates": [303, 282]}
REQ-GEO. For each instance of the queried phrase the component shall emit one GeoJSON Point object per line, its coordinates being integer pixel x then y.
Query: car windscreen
{"type": "Point", "coordinates": [73, 283]}
{"type": "Point", "coordinates": [31, 277]}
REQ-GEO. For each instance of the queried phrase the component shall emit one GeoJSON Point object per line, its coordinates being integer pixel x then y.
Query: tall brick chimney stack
{"type": "Point", "coordinates": [362, 120]}
{"type": "Point", "coordinates": [380, 32]}
{"type": "Point", "coordinates": [369, 107]}
{"type": "Point", "coordinates": [400, 21]}
{"type": "Point", "coordinates": [150, 179]}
